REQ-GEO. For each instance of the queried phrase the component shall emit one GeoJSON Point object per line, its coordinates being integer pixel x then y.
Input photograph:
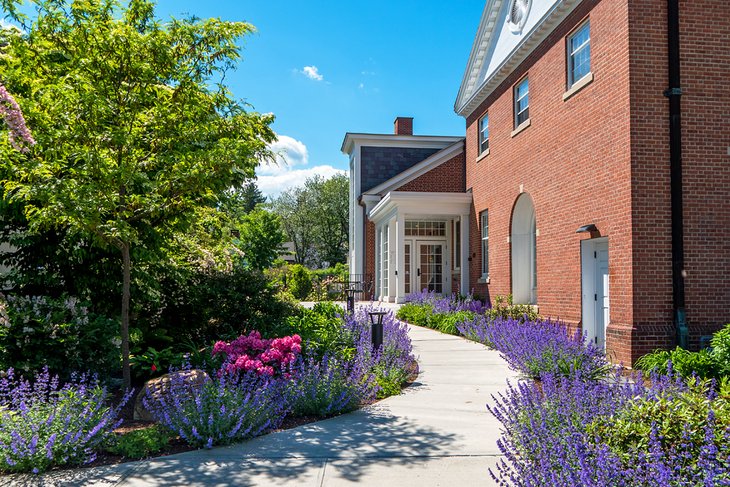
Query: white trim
{"type": "Point", "coordinates": [578, 85]}
{"type": "Point", "coordinates": [470, 95]}
{"type": "Point", "coordinates": [421, 203]}
{"type": "Point", "coordinates": [520, 128]}
{"type": "Point", "coordinates": [389, 140]}
{"type": "Point", "coordinates": [420, 169]}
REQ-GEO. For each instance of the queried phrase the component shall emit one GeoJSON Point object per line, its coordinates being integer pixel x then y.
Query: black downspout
{"type": "Point", "coordinates": [674, 93]}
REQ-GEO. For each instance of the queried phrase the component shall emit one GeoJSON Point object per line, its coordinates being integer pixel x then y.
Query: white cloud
{"type": "Point", "coordinates": [289, 152]}
{"type": "Point", "coordinates": [312, 72]}
{"type": "Point", "coordinates": [273, 185]}
{"type": "Point", "coordinates": [361, 85]}
{"type": "Point", "coordinates": [292, 154]}
{"type": "Point", "coordinates": [4, 24]}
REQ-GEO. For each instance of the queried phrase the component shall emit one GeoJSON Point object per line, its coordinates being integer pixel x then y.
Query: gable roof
{"type": "Point", "coordinates": [419, 169]}
{"type": "Point", "coordinates": [475, 85]}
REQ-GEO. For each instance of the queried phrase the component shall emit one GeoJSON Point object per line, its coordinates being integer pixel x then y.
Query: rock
{"type": "Point", "coordinates": [161, 385]}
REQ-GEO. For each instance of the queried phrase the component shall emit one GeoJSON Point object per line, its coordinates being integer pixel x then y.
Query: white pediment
{"type": "Point", "coordinates": [501, 44]}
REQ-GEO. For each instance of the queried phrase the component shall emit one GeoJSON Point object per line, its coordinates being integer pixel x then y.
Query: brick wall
{"type": "Point", "coordinates": [448, 177]}
{"type": "Point", "coordinates": [574, 160]}
{"type": "Point", "coordinates": [602, 157]}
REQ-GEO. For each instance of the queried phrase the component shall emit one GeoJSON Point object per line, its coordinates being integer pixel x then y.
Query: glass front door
{"type": "Point", "coordinates": [430, 267]}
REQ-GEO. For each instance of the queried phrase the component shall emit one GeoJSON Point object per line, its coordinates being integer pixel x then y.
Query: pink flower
{"type": "Point", "coordinates": [20, 136]}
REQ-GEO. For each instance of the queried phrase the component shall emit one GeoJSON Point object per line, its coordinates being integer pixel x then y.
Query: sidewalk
{"type": "Point", "coordinates": [437, 433]}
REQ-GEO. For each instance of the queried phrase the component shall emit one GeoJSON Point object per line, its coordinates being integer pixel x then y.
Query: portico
{"type": "Point", "coordinates": [421, 242]}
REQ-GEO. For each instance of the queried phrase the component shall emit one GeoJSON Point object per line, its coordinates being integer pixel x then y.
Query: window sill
{"type": "Point", "coordinates": [578, 85]}
{"type": "Point", "coordinates": [520, 127]}
{"type": "Point", "coordinates": [483, 280]}
{"type": "Point", "coordinates": [483, 155]}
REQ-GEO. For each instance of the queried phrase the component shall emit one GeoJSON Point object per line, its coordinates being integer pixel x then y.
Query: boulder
{"type": "Point", "coordinates": [161, 385]}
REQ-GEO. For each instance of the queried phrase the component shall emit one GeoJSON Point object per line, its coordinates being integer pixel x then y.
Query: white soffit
{"type": "Point", "coordinates": [418, 203]}
{"type": "Point", "coordinates": [474, 90]}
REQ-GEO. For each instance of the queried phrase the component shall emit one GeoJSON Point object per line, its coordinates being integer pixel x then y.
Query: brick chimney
{"type": "Point", "coordinates": [403, 125]}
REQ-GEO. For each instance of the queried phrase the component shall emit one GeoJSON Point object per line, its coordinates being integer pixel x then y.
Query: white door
{"type": "Point", "coordinates": [595, 279]}
{"type": "Point", "coordinates": [430, 262]}
{"type": "Point", "coordinates": [408, 264]}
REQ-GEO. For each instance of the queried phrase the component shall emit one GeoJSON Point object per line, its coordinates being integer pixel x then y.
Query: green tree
{"type": "Point", "coordinates": [261, 236]}
{"type": "Point", "coordinates": [134, 127]}
{"type": "Point", "coordinates": [316, 219]}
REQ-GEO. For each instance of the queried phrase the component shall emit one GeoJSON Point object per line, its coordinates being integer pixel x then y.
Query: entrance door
{"type": "Point", "coordinates": [430, 266]}
{"type": "Point", "coordinates": [594, 276]}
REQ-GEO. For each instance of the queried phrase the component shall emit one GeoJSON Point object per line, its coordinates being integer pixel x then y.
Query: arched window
{"type": "Point", "coordinates": [524, 251]}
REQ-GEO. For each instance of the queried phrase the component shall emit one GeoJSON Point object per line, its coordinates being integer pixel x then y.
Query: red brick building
{"type": "Point", "coordinates": [597, 159]}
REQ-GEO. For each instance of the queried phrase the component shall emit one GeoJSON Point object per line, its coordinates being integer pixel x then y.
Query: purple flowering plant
{"type": "Point", "coordinates": [18, 132]}
{"type": "Point", "coordinates": [537, 347]}
{"type": "Point", "coordinates": [329, 386]}
{"type": "Point", "coordinates": [220, 410]}
{"type": "Point", "coordinates": [572, 431]}
{"type": "Point", "coordinates": [45, 424]}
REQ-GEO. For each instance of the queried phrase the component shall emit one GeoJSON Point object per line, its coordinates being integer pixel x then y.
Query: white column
{"type": "Point", "coordinates": [400, 264]}
{"type": "Point", "coordinates": [465, 255]}
{"type": "Point", "coordinates": [377, 291]}
{"type": "Point", "coordinates": [392, 259]}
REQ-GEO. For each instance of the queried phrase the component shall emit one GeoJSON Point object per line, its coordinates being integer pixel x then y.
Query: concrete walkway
{"type": "Point", "coordinates": [437, 433]}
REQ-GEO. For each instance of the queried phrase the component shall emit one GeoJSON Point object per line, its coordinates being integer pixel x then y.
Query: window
{"type": "Point", "coordinates": [522, 104]}
{"type": "Point", "coordinates": [418, 228]}
{"type": "Point", "coordinates": [484, 134]}
{"type": "Point", "coordinates": [484, 217]}
{"type": "Point", "coordinates": [384, 261]}
{"type": "Point", "coordinates": [579, 54]}
{"type": "Point", "coordinates": [457, 244]}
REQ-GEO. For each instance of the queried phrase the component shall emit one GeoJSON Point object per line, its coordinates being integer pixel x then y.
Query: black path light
{"type": "Point", "coordinates": [352, 288]}
{"type": "Point", "coordinates": [376, 318]}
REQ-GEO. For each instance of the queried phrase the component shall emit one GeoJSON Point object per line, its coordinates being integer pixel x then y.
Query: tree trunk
{"type": "Point", "coordinates": [126, 285]}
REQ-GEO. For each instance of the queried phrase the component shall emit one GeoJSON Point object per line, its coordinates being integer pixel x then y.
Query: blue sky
{"type": "Point", "coordinates": [374, 61]}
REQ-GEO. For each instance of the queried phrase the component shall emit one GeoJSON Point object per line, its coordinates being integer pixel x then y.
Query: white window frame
{"type": "Point", "coordinates": [518, 99]}
{"type": "Point", "coordinates": [571, 53]}
{"type": "Point", "coordinates": [457, 245]}
{"type": "Point", "coordinates": [484, 223]}
{"type": "Point", "coordinates": [482, 138]}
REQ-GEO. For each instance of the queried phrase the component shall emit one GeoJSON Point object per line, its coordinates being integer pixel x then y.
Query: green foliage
{"type": "Point", "coordinates": [674, 414]}
{"type": "Point", "coordinates": [134, 127]}
{"type": "Point", "coordinates": [721, 350]}
{"type": "Point", "coordinates": [138, 444]}
{"type": "Point", "coordinates": [416, 314]}
{"type": "Point", "coordinates": [503, 307]}
{"type": "Point", "coordinates": [322, 331]}
{"type": "Point", "coordinates": [59, 333]}
{"type": "Point", "coordinates": [299, 281]}
{"type": "Point", "coordinates": [261, 236]}
{"type": "Point", "coordinates": [684, 362]}
{"type": "Point", "coordinates": [316, 219]}
{"type": "Point", "coordinates": [326, 283]}
{"type": "Point", "coordinates": [446, 322]}
{"type": "Point", "coordinates": [390, 380]}
{"type": "Point", "coordinates": [151, 362]}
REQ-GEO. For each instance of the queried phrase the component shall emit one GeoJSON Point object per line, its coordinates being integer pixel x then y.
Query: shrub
{"type": "Point", "coordinates": [329, 386]}
{"type": "Point", "coordinates": [140, 443]}
{"type": "Point", "coordinates": [504, 308]}
{"type": "Point", "coordinates": [721, 350]}
{"type": "Point", "coordinates": [299, 281]}
{"type": "Point", "coordinates": [447, 322]}
{"type": "Point", "coordinates": [322, 331]}
{"type": "Point", "coordinates": [43, 424]}
{"type": "Point", "coordinates": [251, 353]}
{"type": "Point", "coordinates": [219, 411]}
{"type": "Point", "coordinates": [535, 348]}
{"type": "Point", "coordinates": [677, 416]}
{"type": "Point", "coordinates": [415, 313]}
{"type": "Point", "coordinates": [550, 437]}
{"type": "Point", "coordinates": [684, 362]}
{"type": "Point", "coordinates": [61, 334]}
{"type": "Point", "coordinates": [394, 362]}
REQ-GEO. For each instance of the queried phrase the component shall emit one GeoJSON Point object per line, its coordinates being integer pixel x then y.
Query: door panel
{"type": "Point", "coordinates": [601, 294]}
{"type": "Point", "coordinates": [431, 266]}
{"type": "Point", "coordinates": [408, 261]}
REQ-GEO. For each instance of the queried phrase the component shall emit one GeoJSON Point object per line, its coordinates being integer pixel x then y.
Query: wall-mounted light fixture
{"type": "Point", "coordinates": [590, 229]}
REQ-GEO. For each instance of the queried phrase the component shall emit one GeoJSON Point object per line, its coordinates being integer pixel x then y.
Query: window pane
{"type": "Point", "coordinates": [485, 242]}
{"type": "Point", "coordinates": [522, 102]}
{"type": "Point", "coordinates": [484, 133]}
{"type": "Point", "coordinates": [579, 53]}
